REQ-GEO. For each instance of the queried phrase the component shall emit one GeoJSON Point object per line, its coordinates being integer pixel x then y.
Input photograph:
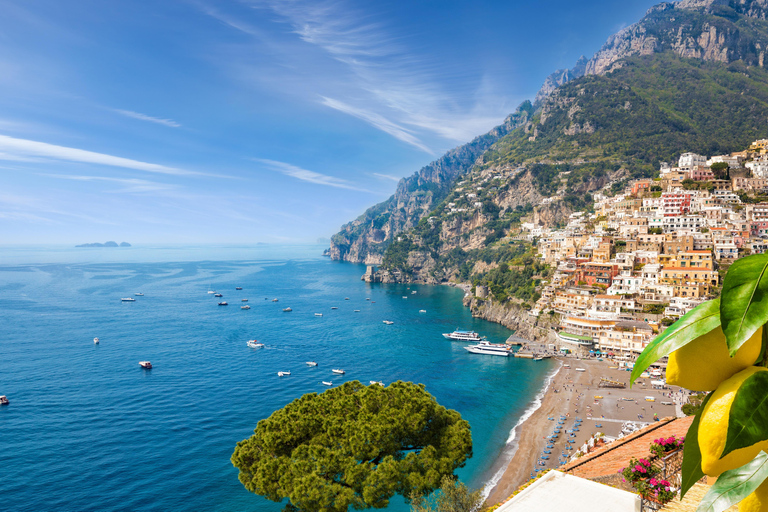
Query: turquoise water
{"type": "Point", "coordinates": [89, 430]}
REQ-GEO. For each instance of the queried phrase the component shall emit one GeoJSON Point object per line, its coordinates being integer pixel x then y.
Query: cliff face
{"type": "Point", "coordinates": [514, 317]}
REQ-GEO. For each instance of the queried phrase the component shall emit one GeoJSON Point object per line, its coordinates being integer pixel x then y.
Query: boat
{"type": "Point", "coordinates": [490, 349]}
{"type": "Point", "coordinates": [580, 369]}
{"type": "Point", "coordinates": [223, 304]}
{"type": "Point", "coordinates": [217, 295]}
{"type": "Point", "coordinates": [357, 311]}
{"type": "Point", "coordinates": [388, 322]}
{"type": "Point", "coordinates": [283, 374]}
{"type": "Point", "coordinates": [287, 310]}
{"type": "Point", "coordinates": [318, 314]}
{"type": "Point", "coordinates": [413, 292]}
{"type": "Point", "coordinates": [422, 311]}
{"type": "Point", "coordinates": [566, 366]}
{"type": "Point", "coordinates": [128, 299]}
{"type": "Point", "coordinates": [139, 294]}
{"type": "Point", "coordinates": [245, 307]}
{"type": "Point", "coordinates": [346, 298]}
{"type": "Point", "coordinates": [96, 341]}
{"type": "Point", "coordinates": [336, 370]}
{"type": "Point", "coordinates": [650, 399]}
{"type": "Point", "coordinates": [311, 363]}
{"type": "Point", "coordinates": [459, 335]}
{"type": "Point", "coordinates": [373, 302]}
{"type": "Point", "coordinates": [238, 287]}
{"type": "Point", "coordinates": [243, 300]}
{"type": "Point", "coordinates": [274, 300]}
{"type": "Point", "coordinates": [334, 307]}
{"type": "Point", "coordinates": [254, 344]}
{"type": "Point", "coordinates": [405, 296]}
{"type": "Point", "coordinates": [538, 358]}
{"type": "Point", "coordinates": [328, 383]}
{"type": "Point", "coordinates": [367, 298]}
{"type": "Point", "coordinates": [376, 382]}
{"type": "Point", "coordinates": [145, 364]}
{"type": "Point", "coordinates": [4, 400]}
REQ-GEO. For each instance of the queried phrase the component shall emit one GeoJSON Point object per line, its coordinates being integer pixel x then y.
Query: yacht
{"type": "Point", "coordinates": [245, 307]}
{"type": "Point", "coordinates": [128, 299]}
{"type": "Point", "coordinates": [145, 364]}
{"type": "Point", "coordinates": [388, 322]}
{"type": "Point", "coordinates": [459, 335]}
{"type": "Point", "coordinates": [287, 310]}
{"type": "Point", "coordinates": [4, 400]}
{"type": "Point", "coordinates": [139, 294]}
{"type": "Point", "coordinates": [491, 349]}
{"type": "Point", "coordinates": [336, 370]}
{"type": "Point", "coordinates": [238, 287]}
{"type": "Point", "coordinates": [254, 344]}
{"type": "Point", "coordinates": [223, 303]}
{"type": "Point", "coordinates": [217, 295]}
{"type": "Point", "coordinates": [283, 374]}
{"type": "Point", "coordinates": [311, 363]}
{"type": "Point", "coordinates": [328, 383]}
{"type": "Point", "coordinates": [95, 341]}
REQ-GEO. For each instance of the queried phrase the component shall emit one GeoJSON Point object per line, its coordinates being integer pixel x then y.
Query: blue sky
{"type": "Point", "coordinates": [254, 121]}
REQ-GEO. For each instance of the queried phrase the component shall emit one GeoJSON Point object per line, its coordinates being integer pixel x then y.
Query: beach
{"type": "Point", "coordinates": [573, 393]}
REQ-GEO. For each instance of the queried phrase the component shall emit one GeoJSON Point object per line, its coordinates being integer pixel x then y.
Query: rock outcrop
{"type": "Point", "coordinates": [514, 317]}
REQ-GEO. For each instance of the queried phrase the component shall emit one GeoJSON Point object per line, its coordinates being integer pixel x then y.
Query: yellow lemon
{"type": "Point", "coordinates": [713, 428]}
{"type": "Point", "coordinates": [704, 363]}
{"type": "Point", "coordinates": [757, 501]}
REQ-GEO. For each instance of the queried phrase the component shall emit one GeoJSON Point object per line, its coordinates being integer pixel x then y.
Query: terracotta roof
{"type": "Point", "coordinates": [616, 297]}
{"type": "Point", "coordinates": [613, 457]}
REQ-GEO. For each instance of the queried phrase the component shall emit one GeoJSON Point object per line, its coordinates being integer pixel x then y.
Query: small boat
{"type": "Point", "coordinates": [238, 287]}
{"type": "Point", "coordinates": [223, 304]}
{"type": "Point", "coordinates": [376, 382]}
{"type": "Point", "coordinates": [245, 307]}
{"type": "Point", "coordinates": [243, 300]}
{"type": "Point", "coordinates": [318, 314]}
{"type": "Point", "coordinates": [538, 358]}
{"type": "Point", "coordinates": [274, 300]}
{"type": "Point", "coordinates": [566, 366]}
{"type": "Point", "coordinates": [650, 399]}
{"type": "Point", "coordinates": [388, 322]}
{"type": "Point", "coordinates": [217, 295]}
{"type": "Point", "coordinates": [139, 294]}
{"type": "Point", "coordinates": [328, 383]}
{"type": "Point", "coordinates": [346, 298]}
{"type": "Point", "coordinates": [413, 292]}
{"type": "Point", "coordinates": [4, 400]}
{"type": "Point", "coordinates": [145, 364]}
{"type": "Point", "coordinates": [287, 310]}
{"type": "Point", "coordinates": [254, 344]}
{"type": "Point", "coordinates": [373, 302]}
{"type": "Point", "coordinates": [422, 311]}
{"type": "Point", "coordinates": [367, 298]}
{"type": "Point", "coordinates": [128, 299]}
{"type": "Point", "coordinates": [210, 291]}
{"type": "Point", "coordinates": [580, 369]}
{"type": "Point", "coordinates": [283, 374]}
{"type": "Point", "coordinates": [405, 296]}
{"type": "Point", "coordinates": [357, 311]}
{"type": "Point", "coordinates": [598, 397]}
{"type": "Point", "coordinates": [96, 341]}
{"type": "Point", "coordinates": [334, 307]}
{"type": "Point", "coordinates": [336, 370]}
{"type": "Point", "coordinates": [311, 363]}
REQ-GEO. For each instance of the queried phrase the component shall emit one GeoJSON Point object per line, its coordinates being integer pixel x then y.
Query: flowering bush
{"type": "Point", "coordinates": [638, 469]}
{"type": "Point", "coordinates": [658, 490]}
{"type": "Point", "coordinates": [662, 445]}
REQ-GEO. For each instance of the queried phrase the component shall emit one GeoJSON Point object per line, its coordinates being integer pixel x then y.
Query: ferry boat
{"type": "Point", "coordinates": [238, 287]}
{"type": "Point", "coordinates": [128, 299]}
{"type": "Point", "coordinates": [145, 364]}
{"type": "Point", "coordinates": [283, 374]}
{"type": "Point", "coordinates": [311, 363]}
{"type": "Point", "coordinates": [287, 310]}
{"type": "Point", "coordinates": [336, 370]}
{"type": "Point", "coordinates": [245, 307]}
{"type": "Point", "coordinates": [223, 303]}
{"type": "Point", "coordinates": [254, 344]}
{"type": "Point", "coordinates": [95, 341]}
{"type": "Point", "coordinates": [4, 400]}
{"type": "Point", "coordinates": [459, 335]}
{"type": "Point", "coordinates": [490, 349]}
{"type": "Point", "coordinates": [217, 295]}
{"type": "Point", "coordinates": [139, 294]}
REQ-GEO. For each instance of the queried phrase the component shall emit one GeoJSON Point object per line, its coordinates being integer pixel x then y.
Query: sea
{"type": "Point", "coordinates": [88, 429]}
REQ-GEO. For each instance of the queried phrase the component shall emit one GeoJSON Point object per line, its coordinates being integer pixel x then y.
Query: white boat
{"type": "Point", "coordinates": [128, 299]}
{"type": "Point", "coordinates": [139, 294]}
{"type": "Point", "coordinates": [490, 349]}
{"type": "Point", "coordinates": [145, 364]}
{"type": "Point", "coordinates": [274, 300]}
{"type": "Point", "coordinates": [238, 287]}
{"type": "Point", "coordinates": [245, 307]}
{"type": "Point", "coordinates": [367, 298]}
{"type": "Point", "coordinates": [357, 311]}
{"type": "Point", "coordinates": [318, 314]}
{"type": "Point", "coordinates": [346, 298]}
{"type": "Point", "coordinates": [405, 296]}
{"type": "Point", "coordinates": [459, 335]}
{"type": "Point", "coordinates": [336, 370]}
{"type": "Point", "coordinates": [422, 311]}
{"type": "Point", "coordinates": [328, 383]}
{"type": "Point", "coordinates": [388, 322]}
{"type": "Point", "coordinates": [413, 292]}
{"type": "Point", "coordinates": [311, 363]}
{"type": "Point", "coordinates": [223, 303]}
{"type": "Point", "coordinates": [254, 344]}
{"type": "Point", "coordinates": [580, 369]}
{"type": "Point", "coordinates": [218, 295]}
{"type": "Point", "coordinates": [4, 400]}
{"type": "Point", "coordinates": [283, 374]}
{"type": "Point", "coordinates": [538, 358]}
{"type": "Point", "coordinates": [287, 310]}
{"type": "Point", "coordinates": [96, 341]}
{"type": "Point", "coordinates": [243, 300]}
{"type": "Point", "coordinates": [376, 382]}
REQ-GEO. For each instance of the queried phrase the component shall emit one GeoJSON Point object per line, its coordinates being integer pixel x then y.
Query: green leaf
{"type": "Point", "coordinates": [744, 308]}
{"type": "Point", "coordinates": [735, 485]}
{"type": "Point", "coordinates": [691, 470]}
{"type": "Point", "coordinates": [697, 322]}
{"type": "Point", "coordinates": [748, 417]}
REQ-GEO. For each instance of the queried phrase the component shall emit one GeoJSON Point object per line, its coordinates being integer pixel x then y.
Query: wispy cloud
{"type": "Point", "coordinates": [144, 117]}
{"type": "Point", "coordinates": [386, 176]}
{"type": "Point", "coordinates": [20, 149]}
{"type": "Point", "coordinates": [307, 175]}
{"type": "Point", "coordinates": [130, 185]}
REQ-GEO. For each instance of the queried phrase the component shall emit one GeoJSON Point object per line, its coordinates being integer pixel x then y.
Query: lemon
{"type": "Point", "coordinates": [713, 428]}
{"type": "Point", "coordinates": [757, 501]}
{"type": "Point", "coordinates": [704, 363]}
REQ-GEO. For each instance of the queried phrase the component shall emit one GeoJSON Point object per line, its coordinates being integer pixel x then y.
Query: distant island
{"type": "Point", "coordinates": [105, 244]}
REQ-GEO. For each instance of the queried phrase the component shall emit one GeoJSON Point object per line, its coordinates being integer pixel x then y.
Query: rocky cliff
{"type": "Point", "coordinates": [515, 317]}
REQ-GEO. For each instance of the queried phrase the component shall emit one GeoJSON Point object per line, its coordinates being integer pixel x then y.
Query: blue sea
{"type": "Point", "coordinates": [87, 429]}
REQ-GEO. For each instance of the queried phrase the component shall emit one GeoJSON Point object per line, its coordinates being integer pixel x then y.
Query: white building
{"type": "Point", "coordinates": [690, 160]}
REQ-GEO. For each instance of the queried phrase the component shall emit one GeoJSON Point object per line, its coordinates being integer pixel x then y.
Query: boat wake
{"type": "Point", "coordinates": [510, 448]}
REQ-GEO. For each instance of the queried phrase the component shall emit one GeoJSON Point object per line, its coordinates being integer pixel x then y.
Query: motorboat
{"type": "Point", "coordinates": [4, 400]}
{"type": "Point", "coordinates": [283, 374]}
{"type": "Point", "coordinates": [96, 341]}
{"type": "Point", "coordinates": [538, 358]}
{"type": "Point", "coordinates": [275, 300]}
{"type": "Point", "coordinates": [318, 314]}
{"type": "Point", "coordinates": [376, 382]}
{"type": "Point", "coordinates": [328, 383]}
{"type": "Point", "coordinates": [139, 294]}
{"type": "Point", "coordinates": [217, 295]}
{"type": "Point", "coordinates": [373, 302]}
{"type": "Point", "coordinates": [243, 300]}
{"type": "Point", "coordinates": [340, 372]}
{"type": "Point", "coordinates": [422, 311]}
{"type": "Point", "coordinates": [238, 287]}
{"type": "Point", "coordinates": [311, 363]}
{"type": "Point", "coordinates": [287, 310]}
{"type": "Point", "coordinates": [405, 296]}
{"type": "Point", "coordinates": [223, 303]}
{"type": "Point", "coordinates": [254, 344]}
{"type": "Point", "coordinates": [367, 298]}
{"type": "Point", "coordinates": [245, 307]}
{"type": "Point", "coordinates": [413, 292]}
{"type": "Point", "coordinates": [460, 335]}
{"type": "Point", "coordinates": [388, 322]}
{"type": "Point", "coordinates": [334, 307]}
{"type": "Point", "coordinates": [356, 311]}
{"type": "Point", "coordinates": [580, 369]}
{"type": "Point", "coordinates": [346, 298]}
{"type": "Point", "coordinates": [145, 364]}
{"type": "Point", "coordinates": [128, 299]}
{"type": "Point", "coordinates": [490, 349]}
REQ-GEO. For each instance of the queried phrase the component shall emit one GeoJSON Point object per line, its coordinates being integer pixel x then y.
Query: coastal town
{"type": "Point", "coordinates": [645, 257]}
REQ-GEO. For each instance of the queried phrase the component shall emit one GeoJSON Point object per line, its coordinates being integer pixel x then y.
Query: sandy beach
{"type": "Point", "coordinates": [572, 394]}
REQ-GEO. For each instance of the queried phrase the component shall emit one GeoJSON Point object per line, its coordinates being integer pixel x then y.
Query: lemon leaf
{"type": "Point", "coordinates": [744, 305]}
{"type": "Point", "coordinates": [697, 322]}
{"type": "Point", "coordinates": [691, 470]}
{"type": "Point", "coordinates": [748, 417]}
{"type": "Point", "coordinates": [735, 485]}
